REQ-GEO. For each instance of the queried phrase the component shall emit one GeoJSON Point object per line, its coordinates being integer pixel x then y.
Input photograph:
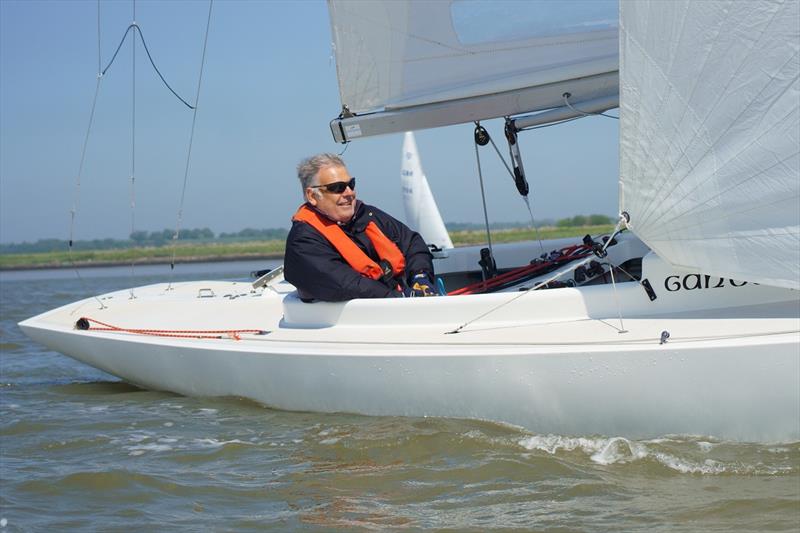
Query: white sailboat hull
{"type": "Point", "coordinates": [746, 391]}
{"type": "Point", "coordinates": [553, 361]}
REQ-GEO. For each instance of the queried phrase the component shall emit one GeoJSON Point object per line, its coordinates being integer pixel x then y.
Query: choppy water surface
{"type": "Point", "coordinates": [82, 451]}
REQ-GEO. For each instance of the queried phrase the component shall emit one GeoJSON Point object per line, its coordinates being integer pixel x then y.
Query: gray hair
{"type": "Point", "coordinates": [310, 166]}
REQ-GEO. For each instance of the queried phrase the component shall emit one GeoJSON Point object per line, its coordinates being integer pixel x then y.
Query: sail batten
{"type": "Point", "coordinates": [709, 113]}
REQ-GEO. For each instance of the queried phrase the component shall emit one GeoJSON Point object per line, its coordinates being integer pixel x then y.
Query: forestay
{"type": "Point", "coordinates": [709, 135]}
{"type": "Point", "coordinates": [408, 65]}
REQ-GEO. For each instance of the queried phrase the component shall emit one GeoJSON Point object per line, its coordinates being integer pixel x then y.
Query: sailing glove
{"type": "Point", "coordinates": [421, 285]}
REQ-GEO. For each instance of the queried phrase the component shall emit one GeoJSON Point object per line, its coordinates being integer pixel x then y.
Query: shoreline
{"type": "Point", "coordinates": [251, 250]}
{"type": "Point", "coordinates": [145, 261]}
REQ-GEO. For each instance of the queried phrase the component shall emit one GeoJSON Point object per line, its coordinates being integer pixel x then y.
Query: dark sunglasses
{"type": "Point", "coordinates": [337, 187]}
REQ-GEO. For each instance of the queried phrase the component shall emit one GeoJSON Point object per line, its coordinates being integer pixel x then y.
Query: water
{"type": "Point", "coordinates": [81, 450]}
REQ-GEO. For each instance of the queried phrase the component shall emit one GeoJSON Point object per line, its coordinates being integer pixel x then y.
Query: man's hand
{"type": "Point", "coordinates": [421, 285]}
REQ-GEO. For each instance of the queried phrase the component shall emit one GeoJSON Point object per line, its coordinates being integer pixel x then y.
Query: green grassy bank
{"type": "Point", "coordinates": [272, 249]}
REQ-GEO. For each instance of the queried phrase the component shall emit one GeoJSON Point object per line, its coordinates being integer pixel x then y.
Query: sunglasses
{"type": "Point", "coordinates": [337, 187]}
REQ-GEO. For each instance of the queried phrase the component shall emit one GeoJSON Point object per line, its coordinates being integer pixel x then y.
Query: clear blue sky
{"type": "Point", "coordinates": [268, 94]}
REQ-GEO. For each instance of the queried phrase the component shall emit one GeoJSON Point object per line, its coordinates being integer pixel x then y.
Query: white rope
{"type": "Point", "coordinates": [616, 299]}
{"type": "Point", "coordinates": [569, 268]}
{"type": "Point", "coordinates": [566, 96]}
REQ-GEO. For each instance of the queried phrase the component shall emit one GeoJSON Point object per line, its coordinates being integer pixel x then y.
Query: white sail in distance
{"type": "Point", "coordinates": [709, 137]}
{"type": "Point", "coordinates": [422, 214]}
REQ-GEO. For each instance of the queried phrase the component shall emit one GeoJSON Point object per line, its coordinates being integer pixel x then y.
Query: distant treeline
{"type": "Point", "coordinates": [576, 221]}
{"type": "Point", "coordinates": [204, 235]}
{"type": "Point", "coordinates": [143, 239]}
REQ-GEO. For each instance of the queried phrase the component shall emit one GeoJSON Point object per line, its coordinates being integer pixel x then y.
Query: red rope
{"type": "Point", "coordinates": [569, 253]}
{"type": "Point", "coordinates": [181, 333]}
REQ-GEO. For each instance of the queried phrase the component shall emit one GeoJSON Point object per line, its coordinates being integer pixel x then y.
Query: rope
{"type": "Point", "coordinates": [135, 27]}
{"type": "Point", "coordinates": [522, 273]}
{"type": "Point", "coordinates": [555, 276]}
{"type": "Point", "coordinates": [524, 198]}
{"type": "Point", "coordinates": [616, 300]}
{"type": "Point", "coordinates": [189, 151]}
{"type": "Point", "coordinates": [483, 197]}
{"type": "Point", "coordinates": [84, 323]}
{"type": "Point", "coordinates": [584, 113]}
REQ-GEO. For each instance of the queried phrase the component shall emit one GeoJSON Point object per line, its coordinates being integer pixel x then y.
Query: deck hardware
{"type": "Point", "coordinates": [265, 279]}
{"type": "Point", "coordinates": [205, 293]}
{"type": "Point", "coordinates": [598, 249]}
{"type": "Point", "coordinates": [664, 337]}
{"type": "Point", "coordinates": [649, 289]}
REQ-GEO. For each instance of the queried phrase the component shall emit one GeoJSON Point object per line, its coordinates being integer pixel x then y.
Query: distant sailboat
{"type": "Point", "coordinates": [422, 214]}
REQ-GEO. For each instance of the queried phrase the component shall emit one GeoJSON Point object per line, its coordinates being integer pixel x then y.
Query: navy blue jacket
{"type": "Point", "coordinates": [319, 272]}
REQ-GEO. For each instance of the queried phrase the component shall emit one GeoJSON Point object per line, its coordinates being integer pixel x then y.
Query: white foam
{"type": "Point", "coordinates": [140, 449]}
{"type": "Point", "coordinates": [139, 437]}
{"type": "Point", "coordinates": [620, 450]}
{"type": "Point", "coordinates": [214, 443]}
{"type": "Point", "coordinates": [333, 440]}
{"type": "Point", "coordinates": [608, 451]}
{"type": "Point", "coordinates": [705, 446]}
{"type": "Point", "coordinates": [553, 443]}
{"type": "Point", "coordinates": [709, 466]}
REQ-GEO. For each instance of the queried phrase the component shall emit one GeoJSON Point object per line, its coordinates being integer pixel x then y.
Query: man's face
{"type": "Point", "coordinates": [338, 207]}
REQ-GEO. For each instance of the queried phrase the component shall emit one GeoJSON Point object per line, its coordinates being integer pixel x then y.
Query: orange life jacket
{"type": "Point", "coordinates": [355, 257]}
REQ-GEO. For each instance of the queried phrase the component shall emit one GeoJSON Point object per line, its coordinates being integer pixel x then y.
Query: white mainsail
{"type": "Point", "coordinates": [709, 136]}
{"type": "Point", "coordinates": [415, 64]}
{"type": "Point", "coordinates": [422, 214]}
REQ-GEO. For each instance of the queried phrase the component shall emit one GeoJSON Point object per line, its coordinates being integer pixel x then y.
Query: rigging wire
{"type": "Point", "coordinates": [100, 75]}
{"type": "Point", "coordinates": [189, 151]}
{"type": "Point", "coordinates": [133, 145]}
{"type": "Point", "coordinates": [572, 266]}
{"type": "Point", "coordinates": [77, 194]}
{"type": "Point", "coordinates": [566, 97]}
{"type": "Point", "coordinates": [99, 57]}
{"type": "Point", "coordinates": [550, 124]}
{"type": "Point", "coordinates": [524, 198]}
{"type": "Point", "coordinates": [135, 27]}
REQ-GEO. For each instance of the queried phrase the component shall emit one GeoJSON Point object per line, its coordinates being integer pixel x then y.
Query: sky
{"type": "Point", "coordinates": [268, 94]}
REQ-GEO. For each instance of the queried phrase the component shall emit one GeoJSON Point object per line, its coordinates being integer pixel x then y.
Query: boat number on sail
{"type": "Point", "coordinates": [690, 282]}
